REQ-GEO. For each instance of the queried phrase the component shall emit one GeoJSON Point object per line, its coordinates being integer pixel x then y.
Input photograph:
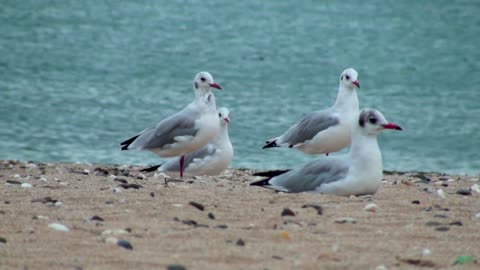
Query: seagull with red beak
{"type": "Point", "coordinates": [212, 159]}
{"type": "Point", "coordinates": [360, 172]}
{"type": "Point", "coordinates": [185, 131]}
{"type": "Point", "coordinates": [325, 131]}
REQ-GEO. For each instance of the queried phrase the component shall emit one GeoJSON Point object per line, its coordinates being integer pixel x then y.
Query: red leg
{"type": "Point", "coordinates": [182, 160]}
{"type": "Point", "coordinates": [327, 154]}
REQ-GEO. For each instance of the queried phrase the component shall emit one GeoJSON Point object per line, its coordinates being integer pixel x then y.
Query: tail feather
{"type": "Point", "coordinates": [125, 144]}
{"type": "Point", "coordinates": [270, 144]}
{"type": "Point", "coordinates": [261, 183]}
{"type": "Point", "coordinates": [270, 174]}
{"type": "Point", "coordinates": [151, 169]}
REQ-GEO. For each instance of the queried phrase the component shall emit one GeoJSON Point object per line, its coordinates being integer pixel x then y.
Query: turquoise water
{"type": "Point", "coordinates": [78, 77]}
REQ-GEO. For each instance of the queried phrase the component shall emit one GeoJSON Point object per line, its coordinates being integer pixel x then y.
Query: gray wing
{"type": "Point", "coordinates": [312, 175]}
{"type": "Point", "coordinates": [174, 165]}
{"type": "Point", "coordinates": [165, 132]}
{"type": "Point", "coordinates": [308, 127]}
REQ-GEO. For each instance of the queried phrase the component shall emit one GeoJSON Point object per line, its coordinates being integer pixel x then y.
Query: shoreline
{"type": "Point", "coordinates": [223, 223]}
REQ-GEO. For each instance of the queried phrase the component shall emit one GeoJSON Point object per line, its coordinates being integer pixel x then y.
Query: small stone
{"type": "Point", "coordinates": [125, 244]}
{"type": "Point", "coordinates": [111, 240]}
{"type": "Point", "coordinates": [415, 202]}
{"type": "Point", "coordinates": [275, 257]}
{"type": "Point", "coordinates": [240, 242]}
{"type": "Point", "coordinates": [433, 224]}
{"type": "Point", "coordinates": [381, 267]}
{"type": "Point", "coordinates": [26, 185]}
{"type": "Point", "coordinates": [96, 218]}
{"type": "Point", "coordinates": [442, 229]}
{"type": "Point", "coordinates": [58, 203]}
{"type": "Point", "coordinates": [199, 206]}
{"type": "Point", "coordinates": [117, 190]}
{"type": "Point", "coordinates": [371, 207]}
{"type": "Point", "coordinates": [114, 232]}
{"type": "Point", "coordinates": [314, 206]}
{"type": "Point", "coordinates": [176, 267]}
{"type": "Point", "coordinates": [222, 226]}
{"type": "Point", "coordinates": [3, 240]}
{"type": "Point", "coordinates": [284, 235]}
{"type": "Point", "coordinates": [477, 215]}
{"type": "Point", "coordinates": [40, 217]}
{"type": "Point", "coordinates": [465, 192]}
{"type": "Point", "coordinates": [345, 220]}
{"type": "Point", "coordinates": [86, 172]}
{"type": "Point", "coordinates": [121, 180]}
{"type": "Point", "coordinates": [132, 185]}
{"type": "Point", "coordinates": [58, 227]}
{"type": "Point", "coordinates": [287, 212]}
{"type": "Point", "coordinates": [473, 179]}
{"type": "Point", "coordinates": [475, 188]}
{"type": "Point", "coordinates": [14, 182]}
{"type": "Point", "coordinates": [426, 252]}
{"type": "Point", "coordinates": [211, 216]}
{"type": "Point", "coordinates": [177, 205]}
{"type": "Point", "coordinates": [16, 176]}
{"type": "Point", "coordinates": [44, 200]}
{"type": "Point", "coordinates": [441, 193]}
{"type": "Point", "coordinates": [152, 194]}
{"type": "Point", "coordinates": [456, 223]}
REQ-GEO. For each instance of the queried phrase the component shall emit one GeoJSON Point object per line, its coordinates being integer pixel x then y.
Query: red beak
{"type": "Point", "coordinates": [226, 119]}
{"type": "Point", "coordinates": [214, 85]}
{"type": "Point", "coordinates": [356, 83]}
{"type": "Point", "coordinates": [392, 126]}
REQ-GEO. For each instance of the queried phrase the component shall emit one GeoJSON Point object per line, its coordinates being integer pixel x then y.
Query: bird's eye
{"type": "Point", "coordinates": [202, 79]}
{"type": "Point", "coordinates": [372, 120]}
{"type": "Point", "coordinates": [219, 115]}
{"type": "Point", "coordinates": [347, 77]}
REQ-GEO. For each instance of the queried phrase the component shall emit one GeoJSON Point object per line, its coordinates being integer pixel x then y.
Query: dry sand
{"type": "Point", "coordinates": [413, 226]}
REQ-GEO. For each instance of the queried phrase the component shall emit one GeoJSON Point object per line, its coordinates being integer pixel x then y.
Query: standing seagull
{"type": "Point", "coordinates": [325, 131]}
{"type": "Point", "coordinates": [357, 173]}
{"type": "Point", "coordinates": [185, 131]}
{"type": "Point", "coordinates": [212, 159]}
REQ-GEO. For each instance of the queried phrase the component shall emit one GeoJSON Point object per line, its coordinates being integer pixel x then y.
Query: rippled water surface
{"type": "Point", "coordinates": [78, 77]}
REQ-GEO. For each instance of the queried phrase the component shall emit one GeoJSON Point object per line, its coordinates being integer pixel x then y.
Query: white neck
{"type": "Point", "coordinates": [365, 153]}
{"type": "Point", "coordinates": [222, 136]}
{"type": "Point", "coordinates": [346, 98]}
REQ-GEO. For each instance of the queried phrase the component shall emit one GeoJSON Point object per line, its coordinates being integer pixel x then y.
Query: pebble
{"type": "Point", "coordinates": [287, 212]}
{"type": "Point", "coordinates": [58, 203]}
{"type": "Point", "coordinates": [125, 244]}
{"type": "Point", "coordinates": [475, 188]}
{"type": "Point", "coordinates": [117, 190]}
{"type": "Point", "coordinates": [381, 267]}
{"type": "Point", "coordinates": [433, 224]}
{"type": "Point", "coordinates": [440, 216]}
{"type": "Point", "coordinates": [456, 223]}
{"type": "Point", "coordinates": [121, 180]}
{"type": "Point", "coordinates": [96, 218]}
{"type": "Point", "coordinates": [199, 206]}
{"type": "Point", "coordinates": [473, 179]}
{"type": "Point", "coordinates": [222, 226]}
{"type": "Point", "coordinates": [26, 185]}
{"type": "Point", "coordinates": [114, 232]}
{"type": "Point", "coordinates": [58, 227]}
{"type": "Point", "coordinates": [176, 267]}
{"type": "Point", "coordinates": [111, 240]}
{"type": "Point", "coordinates": [86, 171]}
{"type": "Point", "coordinates": [465, 192]}
{"type": "Point", "coordinates": [40, 217]}
{"type": "Point", "coordinates": [441, 193]}
{"type": "Point", "coordinates": [14, 182]}
{"type": "Point", "coordinates": [211, 216]}
{"type": "Point", "coordinates": [314, 206]}
{"type": "Point", "coordinates": [477, 215]}
{"type": "Point", "coordinates": [16, 176]}
{"type": "Point", "coordinates": [63, 184]}
{"type": "Point", "coordinates": [415, 202]}
{"type": "Point", "coordinates": [127, 186]}
{"type": "Point", "coordinates": [44, 200]}
{"type": "Point", "coordinates": [345, 220]}
{"type": "Point", "coordinates": [240, 242]}
{"type": "Point", "coordinates": [426, 252]}
{"type": "Point", "coordinates": [177, 205]}
{"type": "Point", "coordinates": [442, 229]}
{"type": "Point", "coordinates": [3, 240]}
{"type": "Point", "coordinates": [371, 207]}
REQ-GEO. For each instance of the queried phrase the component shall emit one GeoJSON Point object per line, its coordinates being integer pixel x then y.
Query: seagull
{"type": "Point", "coordinates": [357, 173]}
{"type": "Point", "coordinates": [212, 159]}
{"type": "Point", "coordinates": [325, 131]}
{"type": "Point", "coordinates": [185, 131]}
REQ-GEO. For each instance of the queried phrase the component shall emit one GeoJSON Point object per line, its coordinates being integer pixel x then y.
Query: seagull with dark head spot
{"type": "Point", "coordinates": [212, 159]}
{"type": "Point", "coordinates": [185, 131]}
{"type": "Point", "coordinates": [359, 172]}
{"type": "Point", "coordinates": [325, 131]}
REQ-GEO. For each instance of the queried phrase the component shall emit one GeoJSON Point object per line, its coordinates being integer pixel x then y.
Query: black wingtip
{"type": "Point", "coordinates": [261, 183]}
{"type": "Point", "coordinates": [151, 169]}
{"type": "Point", "coordinates": [270, 144]}
{"type": "Point", "coordinates": [270, 174]}
{"type": "Point", "coordinates": [125, 144]}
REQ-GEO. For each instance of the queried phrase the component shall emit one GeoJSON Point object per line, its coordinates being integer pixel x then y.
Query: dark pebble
{"type": "Point", "coordinates": [127, 186]}
{"type": "Point", "coordinates": [2, 212]}
{"type": "Point", "coordinates": [176, 267]}
{"type": "Point", "coordinates": [96, 218]}
{"type": "Point", "coordinates": [199, 206]}
{"type": "Point", "coordinates": [427, 209]}
{"type": "Point", "coordinates": [190, 222]}
{"type": "Point", "coordinates": [44, 200]}
{"type": "Point", "coordinates": [287, 212]}
{"type": "Point", "coordinates": [100, 171]}
{"type": "Point", "coordinates": [433, 224]}
{"type": "Point", "coordinates": [240, 242]}
{"type": "Point", "coordinates": [314, 206]}
{"type": "Point", "coordinates": [121, 180]}
{"type": "Point", "coordinates": [152, 194]}
{"type": "Point", "coordinates": [444, 185]}
{"type": "Point", "coordinates": [456, 223]}
{"type": "Point", "coordinates": [128, 230]}
{"type": "Point", "coordinates": [14, 182]}
{"type": "Point", "coordinates": [3, 240]}
{"type": "Point", "coordinates": [277, 257]}
{"type": "Point", "coordinates": [440, 216]}
{"type": "Point", "coordinates": [465, 192]}
{"type": "Point", "coordinates": [125, 244]}
{"type": "Point", "coordinates": [416, 202]}
{"type": "Point", "coordinates": [442, 229]}
{"type": "Point", "coordinates": [211, 216]}
{"type": "Point", "coordinates": [6, 202]}
{"type": "Point", "coordinates": [222, 226]}
{"type": "Point", "coordinates": [176, 219]}
{"type": "Point", "coordinates": [109, 202]}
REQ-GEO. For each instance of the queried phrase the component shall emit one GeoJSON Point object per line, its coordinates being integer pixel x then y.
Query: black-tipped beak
{"type": "Point", "coordinates": [392, 126]}
{"type": "Point", "coordinates": [356, 83]}
{"type": "Point", "coordinates": [214, 85]}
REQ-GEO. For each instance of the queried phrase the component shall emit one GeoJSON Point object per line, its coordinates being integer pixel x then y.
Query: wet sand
{"type": "Point", "coordinates": [223, 223]}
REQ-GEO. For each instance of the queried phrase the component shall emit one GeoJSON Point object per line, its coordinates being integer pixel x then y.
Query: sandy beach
{"type": "Point", "coordinates": [115, 217]}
